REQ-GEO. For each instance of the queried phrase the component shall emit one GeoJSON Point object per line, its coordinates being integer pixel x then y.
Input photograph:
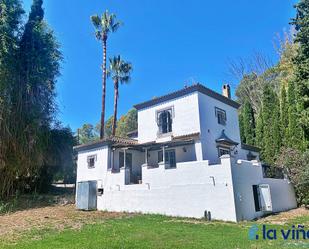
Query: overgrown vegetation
{"type": "Point", "coordinates": [31, 144]}
{"type": "Point", "coordinates": [275, 103]}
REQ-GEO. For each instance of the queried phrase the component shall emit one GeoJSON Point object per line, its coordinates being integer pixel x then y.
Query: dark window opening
{"type": "Point", "coordinates": [257, 205]}
{"type": "Point", "coordinates": [165, 121]}
{"type": "Point", "coordinates": [272, 172]}
{"type": "Point", "coordinates": [91, 161]}
{"type": "Point", "coordinates": [170, 157]}
{"type": "Point", "coordinates": [221, 116]}
{"type": "Point", "coordinates": [223, 151]}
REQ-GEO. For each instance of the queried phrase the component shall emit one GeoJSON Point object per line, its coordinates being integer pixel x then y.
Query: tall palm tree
{"type": "Point", "coordinates": [120, 71]}
{"type": "Point", "coordinates": [104, 25]}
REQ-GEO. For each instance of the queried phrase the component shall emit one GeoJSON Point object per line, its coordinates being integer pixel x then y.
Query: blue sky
{"type": "Point", "coordinates": [169, 42]}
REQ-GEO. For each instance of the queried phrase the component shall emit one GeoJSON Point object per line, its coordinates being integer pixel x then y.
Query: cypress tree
{"type": "Point", "coordinates": [295, 137]}
{"type": "Point", "coordinates": [301, 61]}
{"type": "Point", "coordinates": [259, 129]}
{"type": "Point", "coordinates": [284, 114]}
{"type": "Point", "coordinates": [241, 127]}
{"type": "Point", "coordinates": [248, 123]}
{"type": "Point", "coordinates": [270, 140]}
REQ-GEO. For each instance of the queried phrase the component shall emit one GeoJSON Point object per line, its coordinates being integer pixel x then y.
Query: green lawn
{"type": "Point", "coordinates": [153, 231]}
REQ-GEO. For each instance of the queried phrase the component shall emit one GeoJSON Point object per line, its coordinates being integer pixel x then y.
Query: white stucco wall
{"type": "Point", "coordinates": [188, 191]}
{"type": "Point", "coordinates": [185, 120]}
{"type": "Point", "coordinates": [246, 174]}
{"type": "Point", "coordinates": [99, 171]}
{"type": "Point", "coordinates": [211, 130]}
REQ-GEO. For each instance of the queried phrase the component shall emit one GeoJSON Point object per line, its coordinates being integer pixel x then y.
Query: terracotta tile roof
{"type": "Point", "coordinates": [187, 90]}
{"type": "Point", "coordinates": [191, 135]}
{"type": "Point", "coordinates": [121, 142]}
{"type": "Point", "coordinates": [106, 141]}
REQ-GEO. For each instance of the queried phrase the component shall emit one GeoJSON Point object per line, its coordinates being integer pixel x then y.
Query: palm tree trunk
{"type": "Point", "coordinates": [103, 87]}
{"type": "Point", "coordinates": [116, 92]}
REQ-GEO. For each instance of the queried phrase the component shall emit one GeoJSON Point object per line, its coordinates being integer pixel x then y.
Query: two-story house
{"type": "Point", "coordinates": [185, 159]}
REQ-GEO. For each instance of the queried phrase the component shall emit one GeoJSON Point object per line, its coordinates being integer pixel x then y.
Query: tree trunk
{"type": "Point", "coordinates": [115, 106]}
{"type": "Point", "coordinates": [103, 87]}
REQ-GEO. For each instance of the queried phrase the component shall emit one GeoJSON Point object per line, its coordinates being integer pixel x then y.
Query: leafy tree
{"type": "Point", "coordinates": [34, 95]}
{"type": "Point", "coordinates": [104, 25]}
{"type": "Point", "coordinates": [87, 133]}
{"type": "Point", "coordinates": [10, 17]}
{"type": "Point", "coordinates": [109, 126]}
{"type": "Point", "coordinates": [296, 164]}
{"type": "Point", "coordinates": [30, 64]}
{"type": "Point", "coordinates": [127, 123]}
{"type": "Point", "coordinates": [247, 123]}
{"type": "Point", "coordinates": [58, 162]}
{"type": "Point", "coordinates": [119, 71]}
{"type": "Point", "coordinates": [301, 61]}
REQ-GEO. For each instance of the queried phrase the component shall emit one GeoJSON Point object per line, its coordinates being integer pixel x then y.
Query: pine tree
{"type": "Point", "coordinates": [301, 61]}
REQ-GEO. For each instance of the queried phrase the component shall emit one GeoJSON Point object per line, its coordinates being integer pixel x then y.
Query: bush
{"type": "Point", "coordinates": [296, 165]}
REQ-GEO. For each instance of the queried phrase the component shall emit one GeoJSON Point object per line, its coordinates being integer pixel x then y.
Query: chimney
{"type": "Point", "coordinates": [226, 91]}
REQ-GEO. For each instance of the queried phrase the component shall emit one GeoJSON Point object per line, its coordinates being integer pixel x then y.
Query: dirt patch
{"type": "Point", "coordinates": [284, 217]}
{"type": "Point", "coordinates": [52, 217]}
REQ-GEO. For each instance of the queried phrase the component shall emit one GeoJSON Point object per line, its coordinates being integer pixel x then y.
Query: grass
{"type": "Point", "coordinates": [152, 231]}
{"type": "Point", "coordinates": [35, 221]}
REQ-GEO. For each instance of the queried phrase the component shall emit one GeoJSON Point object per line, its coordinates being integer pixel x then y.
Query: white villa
{"type": "Point", "coordinates": [186, 159]}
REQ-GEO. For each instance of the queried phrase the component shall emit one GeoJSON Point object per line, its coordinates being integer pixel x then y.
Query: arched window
{"type": "Point", "coordinates": [165, 121]}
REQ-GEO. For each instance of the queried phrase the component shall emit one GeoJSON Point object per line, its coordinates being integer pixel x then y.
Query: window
{"type": "Point", "coordinates": [164, 121]}
{"type": "Point", "coordinates": [221, 116]}
{"type": "Point", "coordinates": [223, 151]}
{"type": "Point", "coordinates": [257, 205]}
{"type": "Point", "coordinates": [128, 159]}
{"type": "Point", "coordinates": [91, 161]}
{"type": "Point", "coordinates": [170, 157]}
